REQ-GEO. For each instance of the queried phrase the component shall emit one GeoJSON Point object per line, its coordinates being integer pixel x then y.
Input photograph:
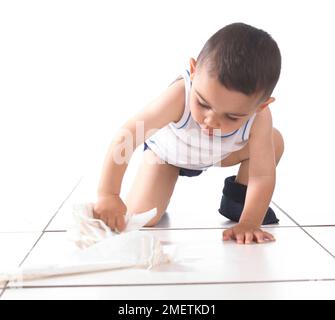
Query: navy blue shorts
{"type": "Point", "coordinates": [182, 171]}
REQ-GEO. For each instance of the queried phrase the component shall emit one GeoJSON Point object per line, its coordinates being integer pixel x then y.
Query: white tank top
{"type": "Point", "coordinates": [184, 145]}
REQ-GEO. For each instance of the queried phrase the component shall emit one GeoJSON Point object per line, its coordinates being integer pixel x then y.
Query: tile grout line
{"type": "Point", "coordinates": [42, 233]}
{"type": "Point", "coordinates": [55, 214]}
{"type": "Point", "coordinates": [170, 284]}
{"type": "Point", "coordinates": [302, 228]}
{"type": "Point", "coordinates": [181, 228]}
{"type": "Point", "coordinates": [3, 290]}
{"type": "Point", "coordinates": [195, 228]}
{"type": "Point", "coordinates": [317, 225]}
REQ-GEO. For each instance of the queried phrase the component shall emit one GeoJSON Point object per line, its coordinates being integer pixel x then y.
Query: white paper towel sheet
{"type": "Point", "coordinates": [99, 248]}
{"type": "Point", "coordinates": [86, 230]}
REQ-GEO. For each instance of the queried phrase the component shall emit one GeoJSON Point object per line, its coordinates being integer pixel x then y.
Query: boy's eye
{"type": "Point", "coordinates": [232, 119]}
{"type": "Point", "coordinates": [207, 107]}
{"type": "Point", "coordinates": [203, 105]}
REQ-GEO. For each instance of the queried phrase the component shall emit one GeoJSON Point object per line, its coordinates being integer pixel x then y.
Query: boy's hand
{"type": "Point", "coordinates": [111, 210]}
{"type": "Point", "coordinates": [245, 233]}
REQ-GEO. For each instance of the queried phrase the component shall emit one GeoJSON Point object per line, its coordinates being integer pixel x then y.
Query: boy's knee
{"type": "Point", "coordinates": [151, 223]}
{"type": "Point", "coordinates": [155, 219]}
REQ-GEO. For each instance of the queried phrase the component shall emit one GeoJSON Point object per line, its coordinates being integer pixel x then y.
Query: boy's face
{"type": "Point", "coordinates": [213, 106]}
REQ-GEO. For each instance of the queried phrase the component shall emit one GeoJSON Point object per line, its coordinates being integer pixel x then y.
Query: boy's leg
{"type": "Point", "coordinates": [153, 186]}
{"type": "Point", "coordinates": [234, 191]}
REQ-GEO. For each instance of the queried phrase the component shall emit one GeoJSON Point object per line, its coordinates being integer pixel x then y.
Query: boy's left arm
{"type": "Point", "coordinates": [261, 182]}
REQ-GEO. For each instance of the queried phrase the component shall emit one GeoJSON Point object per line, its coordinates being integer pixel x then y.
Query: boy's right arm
{"type": "Point", "coordinates": [166, 108]}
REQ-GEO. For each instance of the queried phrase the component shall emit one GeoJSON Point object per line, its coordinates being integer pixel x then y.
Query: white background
{"type": "Point", "coordinates": [71, 72]}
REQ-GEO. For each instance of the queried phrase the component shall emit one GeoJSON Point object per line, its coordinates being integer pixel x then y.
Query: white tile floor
{"type": "Point", "coordinates": [15, 246]}
{"type": "Point", "coordinates": [325, 236]}
{"type": "Point", "coordinates": [215, 291]}
{"type": "Point", "coordinates": [300, 264]}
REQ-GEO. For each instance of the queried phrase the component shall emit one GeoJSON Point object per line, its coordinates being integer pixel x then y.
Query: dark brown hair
{"type": "Point", "coordinates": [242, 58]}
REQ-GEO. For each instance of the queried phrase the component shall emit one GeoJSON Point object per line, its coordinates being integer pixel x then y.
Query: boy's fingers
{"type": "Point", "coordinates": [95, 215]}
{"type": "Point", "coordinates": [249, 237]}
{"type": "Point", "coordinates": [111, 223]}
{"type": "Point", "coordinates": [259, 236]}
{"type": "Point", "coordinates": [120, 223]}
{"type": "Point", "coordinates": [227, 234]}
{"type": "Point", "coordinates": [240, 238]}
{"type": "Point", "coordinates": [269, 236]}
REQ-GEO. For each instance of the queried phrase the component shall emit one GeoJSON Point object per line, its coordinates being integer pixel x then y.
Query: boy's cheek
{"type": "Point", "coordinates": [196, 115]}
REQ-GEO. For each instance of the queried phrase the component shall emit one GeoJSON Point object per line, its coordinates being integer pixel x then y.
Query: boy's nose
{"type": "Point", "coordinates": [211, 122]}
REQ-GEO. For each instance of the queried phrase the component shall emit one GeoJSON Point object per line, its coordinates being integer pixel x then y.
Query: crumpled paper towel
{"type": "Point", "coordinates": [86, 230]}
{"type": "Point", "coordinates": [102, 249]}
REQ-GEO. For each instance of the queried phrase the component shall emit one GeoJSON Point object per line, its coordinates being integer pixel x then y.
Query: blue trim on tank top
{"type": "Point", "coordinates": [228, 135]}
{"type": "Point", "coordinates": [245, 128]}
{"type": "Point", "coordinates": [211, 165]}
{"type": "Point", "coordinates": [200, 168]}
{"type": "Point", "coordinates": [188, 118]}
{"type": "Point", "coordinates": [189, 76]}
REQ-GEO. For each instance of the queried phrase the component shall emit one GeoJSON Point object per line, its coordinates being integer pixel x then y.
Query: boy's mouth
{"type": "Point", "coordinates": [206, 130]}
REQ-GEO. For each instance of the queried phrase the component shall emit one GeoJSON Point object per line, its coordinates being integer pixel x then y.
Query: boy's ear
{"type": "Point", "coordinates": [263, 105]}
{"type": "Point", "coordinates": [193, 64]}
